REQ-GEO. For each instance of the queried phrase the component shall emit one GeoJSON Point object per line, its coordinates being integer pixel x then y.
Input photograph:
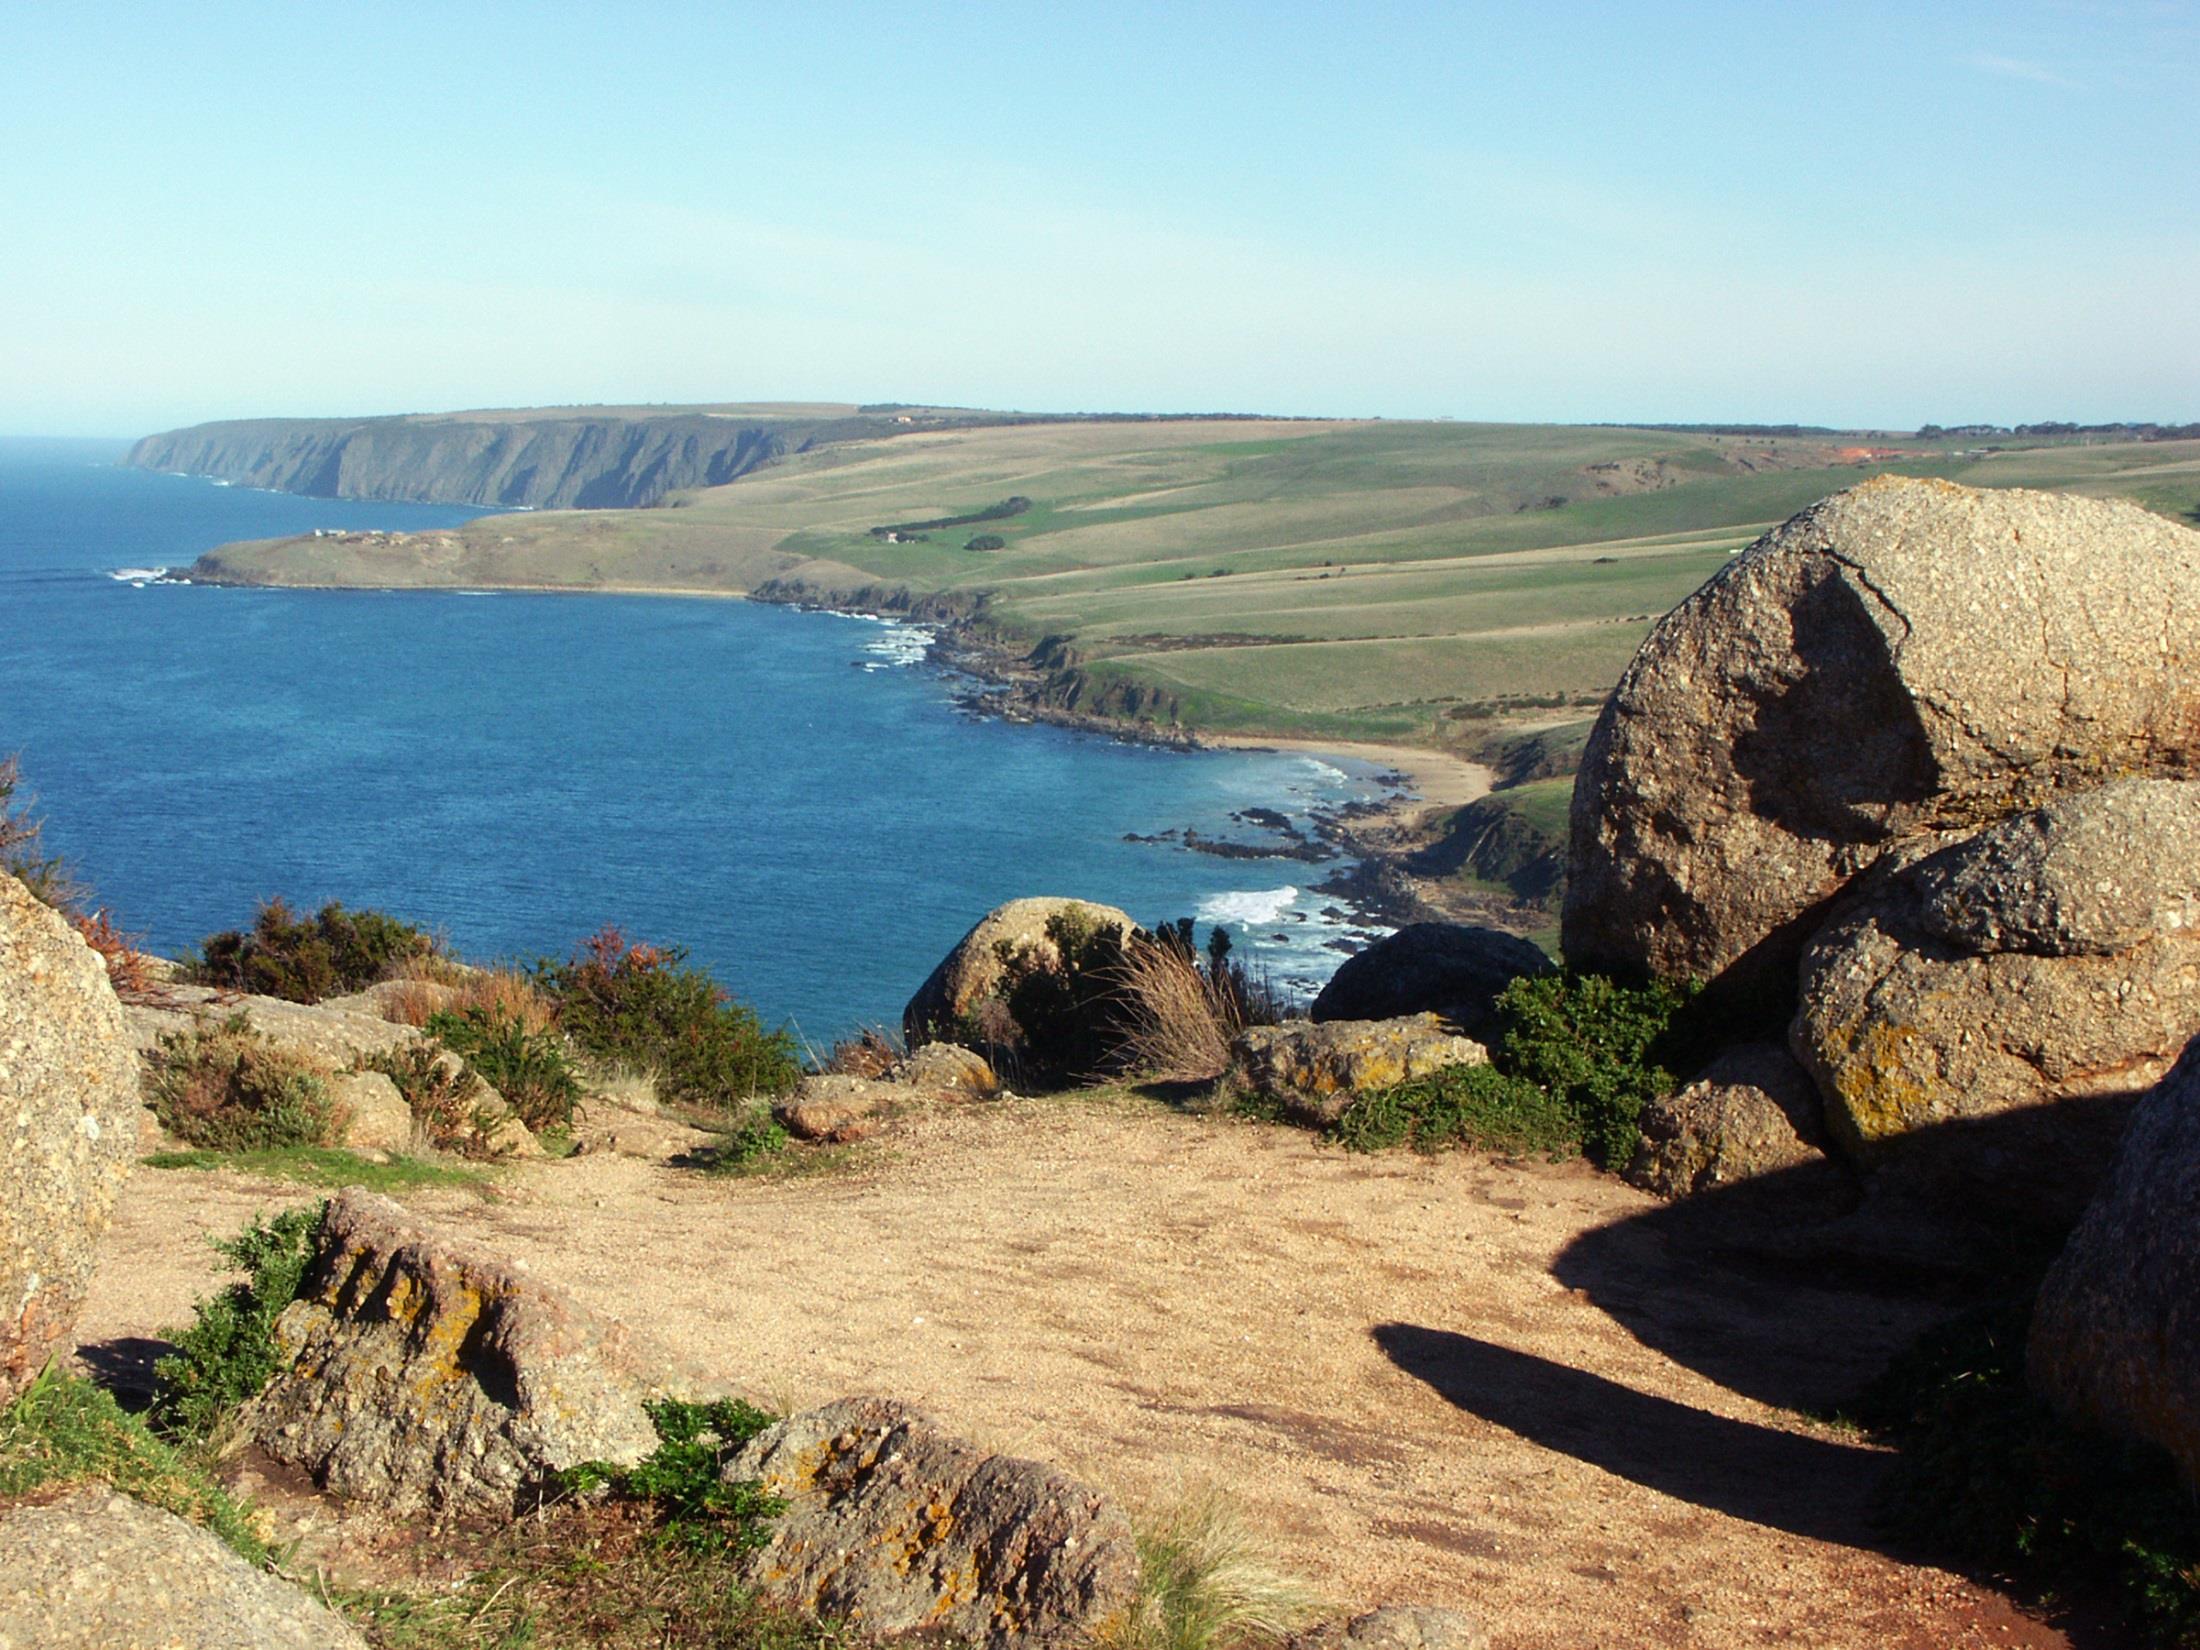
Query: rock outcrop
{"type": "Point", "coordinates": [1007, 986]}
{"type": "Point", "coordinates": [1453, 970]}
{"type": "Point", "coordinates": [335, 1036]}
{"type": "Point", "coordinates": [422, 1372]}
{"type": "Point", "coordinates": [1752, 1112]}
{"type": "Point", "coordinates": [95, 1570]}
{"type": "Point", "coordinates": [2116, 1331]}
{"type": "Point", "coordinates": [946, 1068]}
{"type": "Point", "coordinates": [1904, 658]}
{"type": "Point", "coordinates": [69, 1097]}
{"type": "Point", "coordinates": [2040, 974]}
{"type": "Point", "coordinates": [1313, 1072]}
{"type": "Point", "coordinates": [904, 1529]}
{"type": "Point", "coordinates": [835, 1108]}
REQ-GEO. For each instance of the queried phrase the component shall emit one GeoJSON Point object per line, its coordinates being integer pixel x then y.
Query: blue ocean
{"type": "Point", "coordinates": [794, 797]}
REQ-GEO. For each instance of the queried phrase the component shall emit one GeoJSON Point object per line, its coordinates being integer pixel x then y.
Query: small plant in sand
{"type": "Point", "coordinates": [871, 1052]}
{"type": "Point", "coordinates": [226, 1087]}
{"type": "Point", "coordinates": [682, 1479]}
{"type": "Point", "coordinates": [1210, 1583]}
{"type": "Point", "coordinates": [304, 959]}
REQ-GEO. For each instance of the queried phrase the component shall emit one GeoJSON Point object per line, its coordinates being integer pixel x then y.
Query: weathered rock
{"type": "Point", "coordinates": [1450, 969]}
{"type": "Point", "coordinates": [1316, 1071]}
{"type": "Point", "coordinates": [946, 1068]}
{"type": "Point", "coordinates": [995, 989]}
{"type": "Point", "coordinates": [377, 1118]}
{"type": "Point", "coordinates": [901, 1528]}
{"type": "Point", "coordinates": [1397, 1627]}
{"type": "Point", "coordinates": [1904, 657]}
{"type": "Point", "coordinates": [422, 1371]}
{"type": "Point", "coordinates": [69, 1098]}
{"type": "Point", "coordinates": [2116, 1331]}
{"type": "Point", "coordinates": [836, 1108]}
{"type": "Point", "coordinates": [1753, 1111]}
{"type": "Point", "coordinates": [335, 1036]}
{"type": "Point", "coordinates": [95, 1570]}
{"type": "Point", "coordinates": [1979, 1021]}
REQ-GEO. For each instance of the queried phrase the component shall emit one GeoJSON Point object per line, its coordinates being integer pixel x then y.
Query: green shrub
{"type": "Point", "coordinates": [1597, 1046]}
{"type": "Point", "coordinates": [752, 1142]}
{"type": "Point", "coordinates": [697, 1508]}
{"type": "Point", "coordinates": [1989, 1472]}
{"type": "Point", "coordinates": [530, 1068]}
{"type": "Point", "coordinates": [642, 1007]}
{"type": "Point", "coordinates": [63, 1430]}
{"type": "Point", "coordinates": [1464, 1106]}
{"type": "Point", "coordinates": [228, 1354]}
{"type": "Point", "coordinates": [445, 1097]}
{"type": "Point", "coordinates": [305, 959]}
{"type": "Point", "coordinates": [228, 1088]}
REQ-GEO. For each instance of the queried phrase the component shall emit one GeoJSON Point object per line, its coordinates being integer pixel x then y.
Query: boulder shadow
{"type": "Point", "coordinates": [1809, 1487]}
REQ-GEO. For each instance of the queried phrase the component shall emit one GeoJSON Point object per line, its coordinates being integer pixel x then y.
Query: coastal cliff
{"type": "Point", "coordinates": [588, 461]}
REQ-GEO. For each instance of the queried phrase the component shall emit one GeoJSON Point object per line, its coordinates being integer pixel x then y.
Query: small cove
{"type": "Point", "coordinates": [793, 796]}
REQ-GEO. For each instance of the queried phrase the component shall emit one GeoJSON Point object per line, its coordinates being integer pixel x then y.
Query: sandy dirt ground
{"type": "Point", "coordinates": [1515, 1389]}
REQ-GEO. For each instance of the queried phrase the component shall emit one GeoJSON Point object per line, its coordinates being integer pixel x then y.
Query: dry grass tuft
{"type": "Point", "coordinates": [871, 1052]}
{"type": "Point", "coordinates": [505, 996]}
{"type": "Point", "coordinates": [1177, 1018]}
{"type": "Point", "coordinates": [1211, 1583]}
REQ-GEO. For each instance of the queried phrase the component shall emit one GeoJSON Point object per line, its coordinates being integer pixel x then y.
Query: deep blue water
{"type": "Point", "coordinates": [517, 770]}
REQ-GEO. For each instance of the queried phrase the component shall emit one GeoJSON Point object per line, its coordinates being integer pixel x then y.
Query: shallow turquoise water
{"type": "Point", "coordinates": [787, 794]}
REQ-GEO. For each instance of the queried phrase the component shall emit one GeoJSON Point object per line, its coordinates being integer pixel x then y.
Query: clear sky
{"type": "Point", "coordinates": [1872, 214]}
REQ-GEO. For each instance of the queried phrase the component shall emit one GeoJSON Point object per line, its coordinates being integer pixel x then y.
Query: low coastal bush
{"type": "Point", "coordinates": [449, 1105]}
{"type": "Point", "coordinates": [1990, 1474]}
{"type": "Point", "coordinates": [228, 1088]}
{"type": "Point", "coordinates": [304, 959]}
{"type": "Point", "coordinates": [529, 1066]}
{"type": "Point", "coordinates": [681, 1480]}
{"type": "Point", "coordinates": [1577, 1058]}
{"type": "Point", "coordinates": [228, 1353]}
{"type": "Point", "coordinates": [642, 1006]}
{"type": "Point", "coordinates": [63, 1430]}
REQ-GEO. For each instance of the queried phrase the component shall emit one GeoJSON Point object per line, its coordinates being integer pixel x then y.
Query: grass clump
{"type": "Point", "coordinates": [1210, 1584]}
{"type": "Point", "coordinates": [64, 1430]}
{"type": "Point", "coordinates": [1577, 1058]}
{"type": "Point", "coordinates": [228, 1353]}
{"type": "Point", "coordinates": [329, 1166]}
{"type": "Point", "coordinates": [641, 1006]}
{"type": "Point", "coordinates": [529, 1066]}
{"type": "Point", "coordinates": [226, 1087]}
{"type": "Point", "coordinates": [304, 959]}
{"type": "Point", "coordinates": [680, 1479]}
{"type": "Point", "coordinates": [1174, 1019]}
{"type": "Point", "coordinates": [1990, 1472]}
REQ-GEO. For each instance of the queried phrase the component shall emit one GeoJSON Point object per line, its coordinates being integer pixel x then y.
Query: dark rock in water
{"type": "Point", "coordinates": [2043, 973]}
{"type": "Point", "coordinates": [902, 1528]}
{"type": "Point", "coordinates": [1451, 969]}
{"type": "Point", "coordinates": [1903, 658]}
{"type": "Point", "coordinates": [95, 1570]}
{"type": "Point", "coordinates": [2116, 1332]}
{"type": "Point", "coordinates": [69, 1095]}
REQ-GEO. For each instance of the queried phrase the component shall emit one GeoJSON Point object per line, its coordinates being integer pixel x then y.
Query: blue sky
{"type": "Point", "coordinates": [1857, 214]}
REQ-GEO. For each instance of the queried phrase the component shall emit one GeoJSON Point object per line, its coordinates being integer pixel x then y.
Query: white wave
{"type": "Point", "coordinates": [1323, 771]}
{"type": "Point", "coordinates": [138, 575]}
{"type": "Point", "coordinates": [1248, 908]}
{"type": "Point", "coordinates": [901, 644]}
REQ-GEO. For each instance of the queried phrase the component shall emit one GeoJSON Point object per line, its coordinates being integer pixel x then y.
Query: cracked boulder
{"type": "Point", "coordinates": [1979, 1021]}
{"type": "Point", "coordinates": [905, 1530]}
{"type": "Point", "coordinates": [1903, 658]}
{"type": "Point", "coordinates": [420, 1371]}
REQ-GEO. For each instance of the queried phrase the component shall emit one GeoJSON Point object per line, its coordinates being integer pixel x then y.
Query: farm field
{"type": "Point", "coordinates": [1401, 581]}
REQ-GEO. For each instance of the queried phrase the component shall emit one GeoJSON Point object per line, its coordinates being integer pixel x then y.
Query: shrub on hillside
{"type": "Point", "coordinates": [47, 876]}
{"type": "Point", "coordinates": [529, 1066]}
{"type": "Point", "coordinates": [449, 1106]}
{"type": "Point", "coordinates": [228, 1354]}
{"type": "Point", "coordinates": [643, 1007]}
{"type": "Point", "coordinates": [228, 1088]}
{"type": "Point", "coordinates": [304, 959]}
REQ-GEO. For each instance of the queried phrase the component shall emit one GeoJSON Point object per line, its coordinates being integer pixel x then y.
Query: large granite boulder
{"type": "Point", "coordinates": [1451, 969]}
{"type": "Point", "coordinates": [901, 1528]}
{"type": "Point", "coordinates": [1979, 1020]}
{"type": "Point", "coordinates": [420, 1371]}
{"type": "Point", "coordinates": [2116, 1331]}
{"type": "Point", "coordinates": [337, 1037]}
{"type": "Point", "coordinates": [69, 1095]}
{"type": "Point", "coordinates": [1012, 988]}
{"type": "Point", "coordinates": [1906, 656]}
{"type": "Point", "coordinates": [95, 1570]}
{"type": "Point", "coordinates": [1312, 1073]}
{"type": "Point", "coordinates": [1752, 1112]}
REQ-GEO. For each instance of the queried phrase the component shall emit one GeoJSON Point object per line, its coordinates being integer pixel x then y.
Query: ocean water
{"type": "Point", "coordinates": [794, 797]}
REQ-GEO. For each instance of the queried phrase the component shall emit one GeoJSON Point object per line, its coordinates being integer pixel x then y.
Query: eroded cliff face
{"type": "Point", "coordinates": [582, 462]}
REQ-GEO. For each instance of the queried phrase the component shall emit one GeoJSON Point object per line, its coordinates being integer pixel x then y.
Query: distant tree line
{"type": "Point", "coordinates": [2113, 432]}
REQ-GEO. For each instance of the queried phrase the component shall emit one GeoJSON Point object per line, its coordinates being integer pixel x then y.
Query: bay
{"type": "Point", "coordinates": [794, 797]}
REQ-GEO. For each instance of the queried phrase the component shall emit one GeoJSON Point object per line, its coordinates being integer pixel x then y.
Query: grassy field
{"type": "Point", "coordinates": [1378, 580]}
